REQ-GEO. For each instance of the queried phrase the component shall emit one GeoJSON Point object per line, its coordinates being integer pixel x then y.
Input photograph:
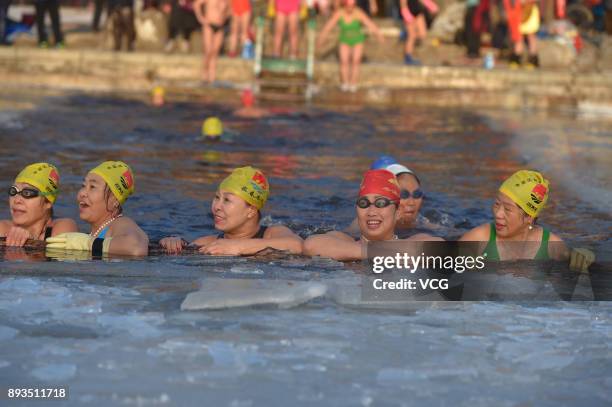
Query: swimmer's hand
{"type": "Point", "coordinates": [17, 236]}
{"type": "Point", "coordinates": [223, 247]}
{"type": "Point", "coordinates": [173, 244]}
{"type": "Point", "coordinates": [581, 259]}
{"type": "Point", "coordinates": [70, 241]}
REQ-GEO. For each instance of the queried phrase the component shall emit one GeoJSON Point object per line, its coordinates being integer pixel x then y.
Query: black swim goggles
{"type": "Point", "coordinates": [416, 194]}
{"type": "Point", "coordinates": [27, 193]}
{"type": "Point", "coordinates": [380, 202]}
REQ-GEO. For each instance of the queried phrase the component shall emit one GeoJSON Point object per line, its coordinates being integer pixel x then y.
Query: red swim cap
{"type": "Point", "coordinates": [380, 182]}
{"type": "Point", "coordinates": [247, 98]}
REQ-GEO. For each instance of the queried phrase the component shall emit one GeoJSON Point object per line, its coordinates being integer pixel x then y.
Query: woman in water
{"type": "Point", "coordinates": [411, 198]}
{"type": "Point", "coordinates": [514, 233]}
{"type": "Point", "coordinates": [31, 199]}
{"type": "Point", "coordinates": [101, 198]}
{"type": "Point", "coordinates": [376, 206]}
{"type": "Point", "coordinates": [350, 19]}
{"type": "Point", "coordinates": [236, 211]}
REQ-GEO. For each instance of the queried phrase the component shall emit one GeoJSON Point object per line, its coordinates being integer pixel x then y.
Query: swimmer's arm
{"type": "Point", "coordinates": [335, 245]}
{"type": "Point", "coordinates": [128, 239]}
{"type": "Point", "coordinates": [478, 234]}
{"type": "Point", "coordinates": [276, 237]}
{"type": "Point", "coordinates": [64, 225]}
{"type": "Point", "coordinates": [328, 27]}
{"type": "Point", "coordinates": [5, 226]}
{"type": "Point", "coordinates": [204, 240]}
{"type": "Point", "coordinates": [557, 250]}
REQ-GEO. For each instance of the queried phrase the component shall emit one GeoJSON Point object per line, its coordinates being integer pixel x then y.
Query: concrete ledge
{"type": "Point", "coordinates": [381, 83]}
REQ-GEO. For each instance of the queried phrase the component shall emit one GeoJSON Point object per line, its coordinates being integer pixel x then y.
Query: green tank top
{"type": "Point", "coordinates": [493, 253]}
{"type": "Point", "coordinates": [351, 33]}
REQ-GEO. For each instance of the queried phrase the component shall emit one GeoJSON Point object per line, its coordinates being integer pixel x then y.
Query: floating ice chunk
{"type": "Point", "coordinates": [55, 372]}
{"type": "Point", "coordinates": [245, 269]}
{"type": "Point", "coordinates": [137, 325]}
{"type": "Point", "coordinates": [230, 293]}
{"type": "Point", "coordinates": [7, 332]}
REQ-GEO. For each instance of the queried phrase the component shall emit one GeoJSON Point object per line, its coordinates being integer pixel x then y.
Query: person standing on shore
{"type": "Point", "coordinates": [182, 21]}
{"type": "Point", "coordinates": [413, 13]}
{"type": "Point", "coordinates": [52, 6]}
{"type": "Point", "coordinates": [122, 16]}
{"type": "Point", "coordinates": [213, 15]}
{"type": "Point", "coordinates": [239, 30]}
{"type": "Point", "coordinates": [350, 19]}
{"type": "Point", "coordinates": [286, 16]}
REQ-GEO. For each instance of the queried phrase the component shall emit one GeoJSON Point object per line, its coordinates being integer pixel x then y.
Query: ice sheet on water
{"type": "Point", "coordinates": [7, 333]}
{"type": "Point", "coordinates": [230, 293]}
{"type": "Point", "coordinates": [138, 325]}
{"type": "Point", "coordinates": [55, 372]}
{"type": "Point", "coordinates": [11, 120]}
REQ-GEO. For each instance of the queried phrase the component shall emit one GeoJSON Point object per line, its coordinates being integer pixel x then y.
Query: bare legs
{"type": "Point", "coordinates": [239, 32]}
{"type": "Point", "coordinates": [212, 42]}
{"type": "Point", "coordinates": [417, 28]}
{"type": "Point", "coordinates": [350, 61]}
{"type": "Point", "coordinates": [292, 22]}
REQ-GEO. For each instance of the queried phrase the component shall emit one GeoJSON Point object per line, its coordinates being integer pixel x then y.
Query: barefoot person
{"type": "Point", "coordinates": [286, 16]}
{"type": "Point", "coordinates": [519, 201]}
{"type": "Point", "coordinates": [376, 206]}
{"type": "Point", "coordinates": [239, 30]}
{"type": "Point", "coordinates": [236, 210]}
{"type": "Point", "coordinates": [212, 14]}
{"type": "Point", "coordinates": [350, 19]}
{"type": "Point", "coordinates": [31, 199]}
{"type": "Point", "coordinates": [101, 199]}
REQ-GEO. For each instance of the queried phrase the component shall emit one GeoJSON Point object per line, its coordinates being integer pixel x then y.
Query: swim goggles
{"type": "Point", "coordinates": [27, 193]}
{"type": "Point", "coordinates": [416, 194]}
{"type": "Point", "coordinates": [380, 202]}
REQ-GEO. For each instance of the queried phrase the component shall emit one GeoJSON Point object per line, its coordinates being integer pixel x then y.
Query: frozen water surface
{"type": "Point", "coordinates": [114, 331]}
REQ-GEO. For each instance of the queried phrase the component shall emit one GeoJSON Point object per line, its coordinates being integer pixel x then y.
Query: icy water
{"type": "Point", "coordinates": [114, 332]}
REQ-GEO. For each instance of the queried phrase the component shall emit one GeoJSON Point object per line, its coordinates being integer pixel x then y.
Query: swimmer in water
{"type": "Point", "coordinates": [411, 198]}
{"type": "Point", "coordinates": [248, 109]}
{"type": "Point", "coordinates": [31, 199]}
{"type": "Point", "coordinates": [519, 201]}
{"type": "Point", "coordinates": [376, 207]}
{"type": "Point", "coordinates": [101, 198]}
{"type": "Point", "coordinates": [236, 210]}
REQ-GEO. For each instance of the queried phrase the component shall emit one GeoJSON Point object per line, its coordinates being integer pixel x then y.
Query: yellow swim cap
{"type": "Point", "coordinates": [249, 184]}
{"type": "Point", "coordinates": [212, 127]}
{"type": "Point", "coordinates": [528, 189]}
{"type": "Point", "coordinates": [42, 176]}
{"type": "Point", "coordinates": [158, 91]}
{"type": "Point", "coordinates": [119, 178]}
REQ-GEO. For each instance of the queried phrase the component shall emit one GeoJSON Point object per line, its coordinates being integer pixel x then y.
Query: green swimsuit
{"type": "Point", "coordinates": [351, 33]}
{"type": "Point", "coordinates": [493, 253]}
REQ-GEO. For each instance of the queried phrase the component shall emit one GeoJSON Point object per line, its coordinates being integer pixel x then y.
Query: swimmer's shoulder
{"type": "Point", "coordinates": [204, 240]}
{"type": "Point", "coordinates": [478, 234]}
{"type": "Point", "coordinates": [278, 231]}
{"type": "Point", "coordinates": [125, 225]}
{"type": "Point", "coordinates": [5, 226]}
{"type": "Point", "coordinates": [63, 225]}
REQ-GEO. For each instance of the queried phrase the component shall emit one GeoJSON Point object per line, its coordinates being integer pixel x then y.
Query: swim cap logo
{"type": "Point", "coordinates": [126, 180]}
{"type": "Point", "coordinates": [538, 193]}
{"type": "Point", "coordinates": [259, 182]}
{"type": "Point", "coordinates": [53, 179]}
